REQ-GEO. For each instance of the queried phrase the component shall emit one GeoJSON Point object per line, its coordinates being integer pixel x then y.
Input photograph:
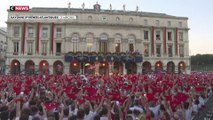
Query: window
{"type": "Point", "coordinates": [103, 44]}
{"type": "Point", "coordinates": [131, 47]}
{"type": "Point", "coordinates": [131, 19]}
{"type": "Point", "coordinates": [30, 31]}
{"type": "Point", "coordinates": [180, 36]}
{"type": "Point", "coordinates": [16, 47]}
{"type": "Point", "coordinates": [169, 35]}
{"type": "Point", "coordinates": [181, 50]}
{"type": "Point", "coordinates": [145, 22]}
{"type": "Point", "coordinates": [75, 41]}
{"type": "Point", "coordinates": [131, 42]}
{"type": "Point", "coordinates": [117, 47]}
{"type": "Point", "coordinates": [89, 17]}
{"type": "Point", "coordinates": [169, 23]}
{"type": "Point", "coordinates": [180, 24]}
{"type": "Point", "coordinates": [146, 34]}
{"type": "Point", "coordinates": [104, 18]}
{"type": "Point", "coordinates": [44, 48]}
{"type": "Point", "coordinates": [170, 50]}
{"type": "Point", "coordinates": [44, 32]}
{"type": "Point", "coordinates": [58, 48]}
{"type": "Point", "coordinates": [157, 35]}
{"type": "Point", "coordinates": [29, 48]}
{"type": "Point", "coordinates": [117, 43]}
{"type": "Point", "coordinates": [117, 19]}
{"type": "Point", "coordinates": [16, 31]}
{"type": "Point", "coordinates": [5, 48]}
{"type": "Point", "coordinates": [89, 39]}
{"type": "Point", "coordinates": [157, 23]}
{"type": "Point", "coordinates": [158, 50]}
{"type": "Point", "coordinates": [146, 50]}
{"type": "Point", "coordinates": [58, 32]}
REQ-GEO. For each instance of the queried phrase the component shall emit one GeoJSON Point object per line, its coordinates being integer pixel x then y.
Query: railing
{"type": "Point", "coordinates": [207, 112]}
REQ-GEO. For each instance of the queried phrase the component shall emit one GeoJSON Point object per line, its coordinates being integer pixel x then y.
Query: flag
{"type": "Point", "coordinates": [176, 40]}
{"type": "Point", "coordinates": [38, 37]}
{"type": "Point", "coordinates": [152, 44]}
{"type": "Point", "coordinates": [51, 38]}
{"type": "Point", "coordinates": [23, 37]}
{"type": "Point", "coordinates": [165, 40]}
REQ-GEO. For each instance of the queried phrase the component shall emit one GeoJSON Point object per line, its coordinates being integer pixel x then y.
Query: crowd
{"type": "Point", "coordinates": [92, 97]}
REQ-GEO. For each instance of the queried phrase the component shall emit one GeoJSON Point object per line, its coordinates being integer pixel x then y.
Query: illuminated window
{"type": "Point", "coordinates": [146, 50]}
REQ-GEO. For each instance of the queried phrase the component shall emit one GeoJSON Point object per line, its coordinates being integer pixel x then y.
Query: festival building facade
{"type": "Point", "coordinates": [96, 41]}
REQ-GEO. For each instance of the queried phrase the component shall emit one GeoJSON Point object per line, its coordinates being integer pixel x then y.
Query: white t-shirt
{"type": "Point", "coordinates": [104, 118]}
{"type": "Point", "coordinates": [188, 114]}
{"type": "Point", "coordinates": [90, 116]}
{"type": "Point", "coordinates": [195, 108]}
{"type": "Point", "coordinates": [155, 110]}
{"type": "Point", "coordinates": [136, 108]}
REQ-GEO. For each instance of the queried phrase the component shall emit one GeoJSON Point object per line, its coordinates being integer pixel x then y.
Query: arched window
{"type": "Point", "coordinates": [131, 41]}
{"type": "Point", "coordinates": [89, 40]}
{"type": "Point", "coordinates": [117, 43]}
{"type": "Point", "coordinates": [75, 41]}
{"type": "Point", "coordinates": [103, 44]}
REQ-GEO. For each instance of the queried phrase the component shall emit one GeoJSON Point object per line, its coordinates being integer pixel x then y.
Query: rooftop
{"type": "Point", "coordinates": [103, 11]}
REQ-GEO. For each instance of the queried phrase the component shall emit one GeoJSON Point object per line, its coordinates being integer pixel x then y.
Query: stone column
{"type": "Point", "coordinates": [51, 69]}
{"type": "Point", "coordinates": [139, 68]}
{"type": "Point", "coordinates": [124, 69]}
{"type": "Point", "coordinates": [97, 68]}
{"type": "Point", "coordinates": [111, 66]}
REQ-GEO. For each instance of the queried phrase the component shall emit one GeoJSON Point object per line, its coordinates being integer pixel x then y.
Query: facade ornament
{"type": "Point", "coordinates": [83, 5]}
{"type": "Point", "coordinates": [137, 8]}
{"type": "Point", "coordinates": [69, 5]}
{"type": "Point", "coordinates": [124, 7]}
{"type": "Point", "coordinates": [110, 7]}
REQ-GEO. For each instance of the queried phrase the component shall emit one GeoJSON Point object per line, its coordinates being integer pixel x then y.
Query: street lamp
{"type": "Point", "coordinates": [16, 67]}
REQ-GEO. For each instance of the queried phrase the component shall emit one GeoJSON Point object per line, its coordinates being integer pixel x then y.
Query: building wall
{"type": "Point", "coordinates": [101, 23]}
{"type": "Point", "coordinates": [3, 47]}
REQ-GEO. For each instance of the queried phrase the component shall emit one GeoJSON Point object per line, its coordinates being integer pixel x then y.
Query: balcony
{"type": "Point", "coordinates": [15, 53]}
{"type": "Point", "coordinates": [58, 53]}
{"type": "Point", "coordinates": [44, 54]}
{"type": "Point", "coordinates": [29, 53]}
